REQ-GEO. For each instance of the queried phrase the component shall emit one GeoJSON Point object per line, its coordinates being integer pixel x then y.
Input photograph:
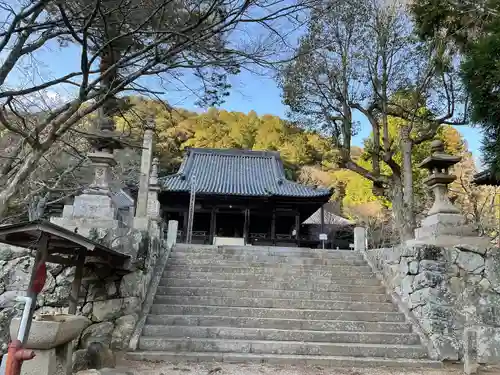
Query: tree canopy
{"type": "Point", "coordinates": [470, 30]}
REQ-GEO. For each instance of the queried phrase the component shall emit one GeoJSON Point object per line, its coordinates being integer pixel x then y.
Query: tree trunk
{"type": "Point", "coordinates": [10, 188]}
{"type": "Point", "coordinates": [407, 171]}
{"type": "Point", "coordinates": [402, 226]}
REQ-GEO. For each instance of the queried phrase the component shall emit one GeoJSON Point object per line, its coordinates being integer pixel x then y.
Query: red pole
{"type": "Point", "coordinates": [16, 354]}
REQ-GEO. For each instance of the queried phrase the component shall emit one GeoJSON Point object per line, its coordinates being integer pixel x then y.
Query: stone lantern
{"type": "Point", "coordinates": [444, 224]}
{"type": "Point", "coordinates": [438, 165]}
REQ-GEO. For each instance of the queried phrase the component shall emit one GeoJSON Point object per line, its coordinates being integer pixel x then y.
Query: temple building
{"type": "Point", "coordinates": [240, 197]}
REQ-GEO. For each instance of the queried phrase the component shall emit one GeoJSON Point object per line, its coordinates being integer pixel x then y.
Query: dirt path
{"type": "Point", "coordinates": [144, 368]}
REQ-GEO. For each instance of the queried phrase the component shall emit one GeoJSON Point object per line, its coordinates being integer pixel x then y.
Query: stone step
{"type": "Point", "coordinates": [232, 333]}
{"type": "Point", "coordinates": [368, 279]}
{"type": "Point", "coordinates": [258, 250]}
{"type": "Point", "coordinates": [341, 286]}
{"type": "Point", "coordinates": [275, 303]}
{"type": "Point", "coordinates": [281, 347]}
{"type": "Point", "coordinates": [262, 263]}
{"type": "Point", "coordinates": [358, 271]}
{"type": "Point", "coordinates": [269, 293]}
{"type": "Point", "coordinates": [283, 359]}
{"type": "Point", "coordinates": [284, 323]}
{"type": "Point", "coordinates": [265, 256]}
{"type": "Point", "coordinates": [277, 313]}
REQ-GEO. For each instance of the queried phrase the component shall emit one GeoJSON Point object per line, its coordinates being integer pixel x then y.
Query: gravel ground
{"type": "Point", "coordinates": [145, 368]}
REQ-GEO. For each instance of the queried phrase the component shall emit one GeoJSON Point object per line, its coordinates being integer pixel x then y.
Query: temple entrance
{"type": "Point", "coordinates": [230, 223]}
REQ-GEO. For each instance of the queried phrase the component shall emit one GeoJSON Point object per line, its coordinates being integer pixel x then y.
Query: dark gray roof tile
{"type": "Point", "coordinates": [236, 172]}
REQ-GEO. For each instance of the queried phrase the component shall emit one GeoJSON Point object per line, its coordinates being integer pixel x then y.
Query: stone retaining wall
{"type": "Point", "coordinates": [110, 300]}
{"type": "Point", "coordinates": [447, 290]}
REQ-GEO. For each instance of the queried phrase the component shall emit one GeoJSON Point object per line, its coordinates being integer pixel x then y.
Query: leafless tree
{"type": "Point", "coordinates": [360, 60]}
{"type": "Point", "coordinates": [120, 45]}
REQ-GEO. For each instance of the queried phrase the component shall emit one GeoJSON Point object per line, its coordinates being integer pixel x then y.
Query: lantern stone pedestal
{"type": "Point", "coordinates": [444, 224]}
{"type": "Point", "coordinates": [49, 337]}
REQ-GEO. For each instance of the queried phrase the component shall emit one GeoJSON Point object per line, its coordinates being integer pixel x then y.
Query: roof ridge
{"type": "Point", "coordinates": [235, 152]}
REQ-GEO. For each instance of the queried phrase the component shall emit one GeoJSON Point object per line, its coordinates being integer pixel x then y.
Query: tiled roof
{"type": "Point", "coordinates": [486, 178]}
{"type": "Point", "coordinates": [329, 219]}
{"type": "Point", "coordinates": [236, 172]}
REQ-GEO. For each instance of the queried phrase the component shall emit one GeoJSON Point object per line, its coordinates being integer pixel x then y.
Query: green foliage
{"type": "Point", "coordinates": [300, 150]}
{"type": "Point", "coordinates": [471, 28]}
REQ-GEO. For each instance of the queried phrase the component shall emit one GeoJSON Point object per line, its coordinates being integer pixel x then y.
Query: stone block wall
{"type": "Point", "coordinates": [447, 290]}
{"type": "Point", "coordinates": [111, 300]}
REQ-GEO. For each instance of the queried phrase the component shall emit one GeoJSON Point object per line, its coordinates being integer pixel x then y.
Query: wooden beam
{"type": "Point", "coordinates": [61, 260]}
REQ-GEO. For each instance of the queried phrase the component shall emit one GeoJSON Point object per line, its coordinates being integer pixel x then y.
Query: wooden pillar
{"type": "Point", "coordinates": [273, 227]}
{"type": "Point", "coordinates": [185, 218]}
{"type": "Point", "coordinates": [213, 225]}
{"type": "Point", "coordinates": [73, 303]}
{"type": "Point", "coordinates": [322, 225]}
{"type": "Point", "coordinates": [297, 228]}
{"type": "Point", "coordinates": [246, 225]}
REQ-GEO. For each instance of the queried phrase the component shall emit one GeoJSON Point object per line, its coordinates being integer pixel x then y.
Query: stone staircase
{"type": "Point", "coordinates": [276, 305]}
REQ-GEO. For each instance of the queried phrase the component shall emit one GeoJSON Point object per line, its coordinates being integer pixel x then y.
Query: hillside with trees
{"type": "Point", "coordinates": [308, 155]}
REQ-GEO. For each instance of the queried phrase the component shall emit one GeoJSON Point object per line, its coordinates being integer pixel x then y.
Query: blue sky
{"type": "Point", "coordinates": [250, 91]}
{"type": "Point", "coordinates": [261, 94]}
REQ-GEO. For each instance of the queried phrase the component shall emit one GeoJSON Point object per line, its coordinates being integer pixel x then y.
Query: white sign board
{"type": "Point", "coordinates": [323, 237]}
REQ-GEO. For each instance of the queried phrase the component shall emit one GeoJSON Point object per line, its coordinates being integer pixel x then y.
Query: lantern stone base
{"type": "Point", "coordinates": [49, 337]}
{"type": "Point", "coordinates": [446, 229]}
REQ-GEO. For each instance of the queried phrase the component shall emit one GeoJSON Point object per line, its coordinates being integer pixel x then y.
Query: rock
{"type": "Point", "coordinates": [470, 351]}
{"type": "Point", "coordinates": [430, 326]}
{"type": "Point", "coordinates": [107, 310]}
{"type": "Point", "coordinates": [124, 327]}
{"type": "Point", "coordinates": [484, 284]}
{"type": "Point", "coordinates": [133, 285]}
{"type": "Point", "coordinates": [488, 310]}
{"type": "Point", "coordinates": [403, 267]}
{"type": "Point", "coordinates": [87, 309]}
{"type": "Point", "coordinates": [19, 276]}
{"type": "Point", "coordinates": [474, 279]}
{"type": "Point", "coordinates": [457, 285]}
{"type": "Point", "coordinates": [50, 283]}
{"type": "Point", "coordinates": [453, 270]}
{"type": "Point", "coordinates": [59, 296]}
{"type": "Point", "coordinates": [407, 285]}
{"type": "Point", "coordinates": [80, 361]}
{"type": "Point", "coordinates": [488, 345]}
{"type": "Point", "coordinates": [55, 269]}
{"type": "Point", "coordinates": [492, 271]}
{"type": "Point", "coordinates": [424, 296]}
{"type": "Point", "coordinates": [66, 276]}
{"type": "Point", "coordinates": [432, 265]}
{"type": "Point", "coordinates": [111, 289]}
{"type": "Point", "coordinates": [96, 292]}
{"type": "Point", "coordinates": [472, 249]}
{"type": "Point", "coordinates": [100, 356]}
{"type": "Point", "coordinates": [8, 252]}
{"type": "Point", "coordinates": [49, 310]}
{"type": "Point", "coordinates": [470, 262]}
{"type": "Point", "coordinates": [8, 299]}
{"type": "Point", "coordinates": [131, 305]}
{"type": "Point", "coordinates": [5, 252]}
{"type": "Point", "coordinates": [100, 332]}
{"type": "Point", "coordinates": [426, 279]}
{"type": "Point", "coordinates": [6, 316]}
{"type": "Point", "coordinates": [105, 371]}
{"type": "Point", "coordinates": [413, 267]}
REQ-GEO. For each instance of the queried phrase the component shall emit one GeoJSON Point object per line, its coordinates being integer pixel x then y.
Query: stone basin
{"type": "Point", "coordinates": [50, 331]}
